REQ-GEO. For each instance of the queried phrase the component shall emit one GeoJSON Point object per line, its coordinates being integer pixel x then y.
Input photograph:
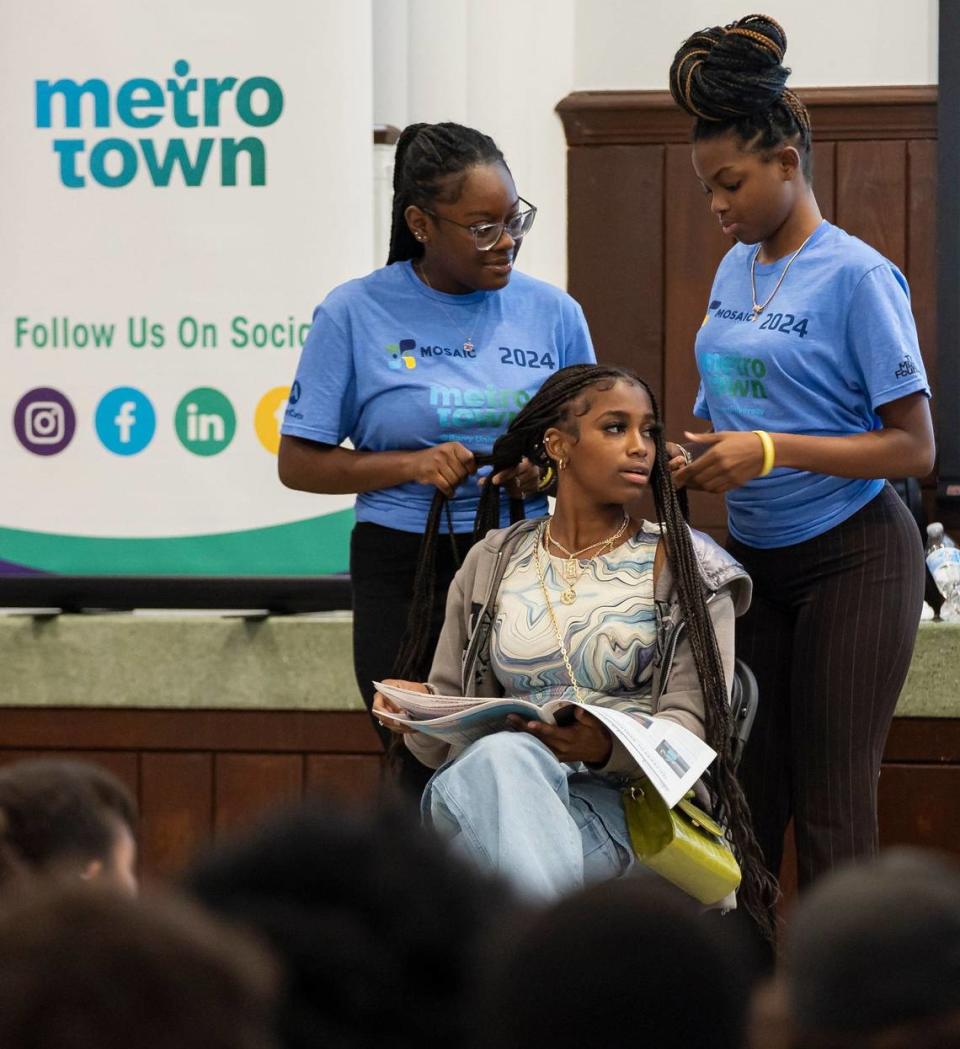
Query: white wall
{"type": "Point", "coordinates": [631, 43]}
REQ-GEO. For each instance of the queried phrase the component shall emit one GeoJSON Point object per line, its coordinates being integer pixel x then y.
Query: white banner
{"type": "Point", "coordinates": [179, 186]}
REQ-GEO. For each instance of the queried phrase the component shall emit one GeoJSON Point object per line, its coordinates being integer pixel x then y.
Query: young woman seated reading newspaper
{"type": "Point", "coordinates": [578, 605]}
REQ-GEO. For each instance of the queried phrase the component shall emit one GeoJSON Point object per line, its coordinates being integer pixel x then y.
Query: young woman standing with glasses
{"type": "Point", "coordinates": [422, 364]}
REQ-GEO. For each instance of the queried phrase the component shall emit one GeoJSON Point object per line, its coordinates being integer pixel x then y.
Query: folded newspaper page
{"type": "Point", "coordinates": [672, 757]}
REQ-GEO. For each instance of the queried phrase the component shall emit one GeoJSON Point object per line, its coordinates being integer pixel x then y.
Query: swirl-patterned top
{"type": "Point", "coordinates": [610, 630]}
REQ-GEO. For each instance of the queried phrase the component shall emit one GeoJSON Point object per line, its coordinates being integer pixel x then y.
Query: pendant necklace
{"type": "Point", "coordinates": [468, 344]}
{"type": "Point", "coordinates": [571, 568]}
{"type": "Point", "coordinates": [759, 307]}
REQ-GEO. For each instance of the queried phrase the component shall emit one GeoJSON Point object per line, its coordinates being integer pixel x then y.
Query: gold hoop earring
{"type": "Point", "coordinates": [562, 463]}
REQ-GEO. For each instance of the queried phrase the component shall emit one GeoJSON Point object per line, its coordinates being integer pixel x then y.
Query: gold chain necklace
{"type": "Point", "coordinates": [468, 345]}
{"type": "Point", "coordinates": [759, 307]}
{"type": "Point", "coordinates": [571, 569]}
{"type": "Point", "coordinates": [553, 615]}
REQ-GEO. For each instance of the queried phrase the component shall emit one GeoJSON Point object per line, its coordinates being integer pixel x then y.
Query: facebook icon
{"type": "Point", "coordinates": [125, 421]}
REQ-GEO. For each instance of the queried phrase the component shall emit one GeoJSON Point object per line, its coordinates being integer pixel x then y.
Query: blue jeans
{"type": "Point", "coordinates": [508, 804]}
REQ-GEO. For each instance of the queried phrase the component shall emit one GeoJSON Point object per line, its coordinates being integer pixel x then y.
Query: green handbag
{"type": "Point", "coordinates": [682, 844]}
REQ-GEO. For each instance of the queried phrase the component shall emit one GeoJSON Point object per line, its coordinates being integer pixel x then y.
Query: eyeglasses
{"type": "Point", "coordinates": [487, 234]}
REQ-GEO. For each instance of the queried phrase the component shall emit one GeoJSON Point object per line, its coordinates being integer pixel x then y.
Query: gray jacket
{"type": "Point", "coordinates": [461, 665]}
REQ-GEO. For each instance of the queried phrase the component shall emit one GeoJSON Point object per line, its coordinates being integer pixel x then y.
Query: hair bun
{"type": "Point", "coordinates": [732, 71]}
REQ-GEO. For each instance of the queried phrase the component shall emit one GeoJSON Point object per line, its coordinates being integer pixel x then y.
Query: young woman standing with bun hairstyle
{"type": "Point", "coordinates": [422, 364]}
{"type": "Point", "coordinates": [812, 379]}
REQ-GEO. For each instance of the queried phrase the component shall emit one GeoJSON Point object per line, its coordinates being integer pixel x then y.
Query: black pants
{"type": "Point", "coordinates": [829, 635]}
{"type": "Point", "coordinates": [383, 563]}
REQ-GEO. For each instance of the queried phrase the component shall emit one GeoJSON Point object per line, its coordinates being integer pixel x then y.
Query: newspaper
{"type": "Point", "coordinates": [672, 757]}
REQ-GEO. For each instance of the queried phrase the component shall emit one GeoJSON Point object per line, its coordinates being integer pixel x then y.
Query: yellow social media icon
{"type": "Point", "coordinates": [268, 417]}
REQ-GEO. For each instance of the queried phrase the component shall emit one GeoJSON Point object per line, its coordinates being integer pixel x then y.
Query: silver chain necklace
{"type": "Point", "coordinates": [468, 345]}
{"type": "Point", "coordinates": [759, 307]}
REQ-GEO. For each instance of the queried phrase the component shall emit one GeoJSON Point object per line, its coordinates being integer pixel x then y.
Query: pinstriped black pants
{"type": "Point", "coordinates": [829, 635]}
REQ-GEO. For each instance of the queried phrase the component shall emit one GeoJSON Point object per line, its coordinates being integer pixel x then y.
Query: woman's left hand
{"type": "Point", "coordinates": [730, 459]}
{"type": "Point", "coordinates": [584, 739]}
{"type": "Point", "coordinates": [520, 480]}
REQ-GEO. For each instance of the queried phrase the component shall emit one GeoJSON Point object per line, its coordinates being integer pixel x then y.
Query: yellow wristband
{"type": "Point", "coordinates": [769, 452]}
{"type": "Point", "coordinates": [546, 480]}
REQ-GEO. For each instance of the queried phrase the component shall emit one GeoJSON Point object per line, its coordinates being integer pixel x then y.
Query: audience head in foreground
{"type": "Point", "coordinates": [627, 962]}
{"type": "Point", "coordinates": [873, 956]}
{"type": "Point", "coordinates": [66, 819]}
{"type": "Point", "coordinates": [87, 968]}
{"type": "Point", "coordinates": [375, 924]}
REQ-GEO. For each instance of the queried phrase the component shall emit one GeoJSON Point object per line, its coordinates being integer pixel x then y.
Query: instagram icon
{"type": "Point", "coordinates": [44, 421]}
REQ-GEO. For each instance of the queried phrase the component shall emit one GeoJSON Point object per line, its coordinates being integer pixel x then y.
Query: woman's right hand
{"type": "Point", "coordinates": [676, 457]}
{"type": "Point", "coordinates": [444, 466]}
{"type": "Point", "coordinates": [383, 705]}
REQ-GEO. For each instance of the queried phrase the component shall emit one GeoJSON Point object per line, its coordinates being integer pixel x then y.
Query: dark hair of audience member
{"type": "Point", "coordinates": [626, 962]}
{"type": "Point", "coordinates": [375, 923]}
{"type": "Point", "coordinates": [83, 968]}
{"type": "Point", "coordinates": [732, 78]}
{"type": "Point", "coordinates": [872, 956]}
{"type": "Point", "coordinates": [58, 815]}
{"type": "Point", "coordinates": [563, 397]}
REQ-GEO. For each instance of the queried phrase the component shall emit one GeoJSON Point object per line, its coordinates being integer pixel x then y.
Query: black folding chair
{"type": "Point", "coordinates": [743, 707]}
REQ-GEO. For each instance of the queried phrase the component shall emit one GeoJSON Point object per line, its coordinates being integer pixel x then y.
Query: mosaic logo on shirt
{"type": "Point", "coordinates": [716, 308]}
{"type": "Point", "coordinates": [401, 355]}
{"type": "Point", "coordinates": [783, 323]}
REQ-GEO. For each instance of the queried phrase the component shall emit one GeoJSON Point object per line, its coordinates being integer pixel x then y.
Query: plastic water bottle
{"type": "Point", "coordinates": [943, 560]}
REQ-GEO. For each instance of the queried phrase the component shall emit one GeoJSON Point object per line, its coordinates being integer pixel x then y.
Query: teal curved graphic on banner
{"type": "Point", "coordinates": [315, 546]}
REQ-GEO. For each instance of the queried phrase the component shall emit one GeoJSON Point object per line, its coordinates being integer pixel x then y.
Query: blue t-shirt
{"type": "Point", "coordinates": [837, 342]}
{"type": "Point", "coordinates": [385, 365]}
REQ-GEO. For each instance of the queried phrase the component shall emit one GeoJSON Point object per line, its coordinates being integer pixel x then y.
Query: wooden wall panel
{"type": "Point", "coordinates": [872, 195]}
{"type": "Point", "coordinates": [176, 809]}
{"type": "Point", "coordinates": [292, 731]}
{"type": "Point", "coordinates": [250, 784]}
{"type": "Point", "coordinates": [123, 764]}
{"type": "Point", "coordinates": [918, 806]}
{"type": "Point", "coordinates": [348, 776]}
{"type": "Point", "coordinates": [694, 246]}
{"type": "Point", "coordinates": [186, 794]}
{"type": "Point", "coordinates": [615, 253]}
{"type": "Point", "coordinates": [922, 250]}
{"type": "Point", "coordinates": [825, 178]}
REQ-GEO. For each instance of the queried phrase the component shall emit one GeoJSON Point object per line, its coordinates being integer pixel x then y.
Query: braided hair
{"type": "Point", "coordinates": [558, 403]}
{"type": "Point", "coordinates": [732, 78]}
{"type": "Point", "coordinates": [425, 158]}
